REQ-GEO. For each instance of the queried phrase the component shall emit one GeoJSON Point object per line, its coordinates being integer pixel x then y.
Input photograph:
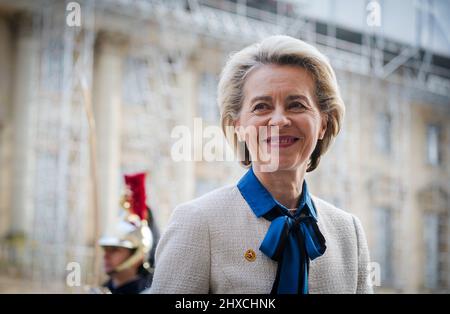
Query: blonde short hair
{"type": "Point", "coordinates": [281, 50]}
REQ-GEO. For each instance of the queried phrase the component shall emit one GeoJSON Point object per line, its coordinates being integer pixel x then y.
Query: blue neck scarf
{"type": "Point", "coordinates": [292, 239]}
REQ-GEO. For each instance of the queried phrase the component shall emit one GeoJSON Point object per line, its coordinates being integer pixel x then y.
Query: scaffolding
{"type": "Point", "coordinates": [151, 98]}
{"type": "Point", "coordinates": [234, 24]}
{"type": "Point", "coordinates": [61, 150]}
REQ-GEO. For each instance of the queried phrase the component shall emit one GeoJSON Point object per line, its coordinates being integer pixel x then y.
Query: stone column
{"type": "Point", "coordinates": [24, 86]}
{"type": "Point", "coordinates": [187, 82]}
{"type": "Point", "coordinates": [5, 124]}
{"type": "Point", "coordinates": [107, 87]}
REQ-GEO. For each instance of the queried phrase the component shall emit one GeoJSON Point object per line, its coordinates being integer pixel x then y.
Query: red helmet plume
{"type": "Point", "coordinates": [136, 184]}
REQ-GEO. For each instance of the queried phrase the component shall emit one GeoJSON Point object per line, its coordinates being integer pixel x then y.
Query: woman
{"type": "Point", "coordinates": [268, 234]}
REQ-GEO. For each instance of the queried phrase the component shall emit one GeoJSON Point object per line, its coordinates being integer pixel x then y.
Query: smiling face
{"type": "Point", "coordinates": [282, 96]}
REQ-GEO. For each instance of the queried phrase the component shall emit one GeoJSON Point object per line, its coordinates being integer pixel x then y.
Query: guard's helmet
{"type": "Point", "coordinates": [132, 231]}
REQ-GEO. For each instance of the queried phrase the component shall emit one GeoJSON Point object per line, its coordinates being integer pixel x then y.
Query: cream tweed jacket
{"type": "Point", "coordinates": [203, 249]}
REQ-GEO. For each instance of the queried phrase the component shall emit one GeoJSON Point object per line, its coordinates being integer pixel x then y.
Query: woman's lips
{"type": "Point", "coordinates": [282, 141]}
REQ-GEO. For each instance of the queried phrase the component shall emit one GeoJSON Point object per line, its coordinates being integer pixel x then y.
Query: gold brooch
{"type": "Point", "coordinates": [250, 255]}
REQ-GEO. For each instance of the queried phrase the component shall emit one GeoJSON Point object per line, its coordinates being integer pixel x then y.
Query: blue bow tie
{"type": "Point", "coordinates": [291, 240]}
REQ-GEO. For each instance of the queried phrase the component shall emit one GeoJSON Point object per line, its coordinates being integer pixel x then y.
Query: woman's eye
{"type": "Point", "coordinates": [260, 107]}
{"type": "Point", "coordinates": [296, 106]}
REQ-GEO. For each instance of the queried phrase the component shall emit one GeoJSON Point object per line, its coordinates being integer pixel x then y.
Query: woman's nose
{"type": "Point", "coordinates": [279, 119]}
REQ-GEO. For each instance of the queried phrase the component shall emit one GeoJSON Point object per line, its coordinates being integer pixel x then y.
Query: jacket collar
{"type": "Point", "coordinates": [261, 201]}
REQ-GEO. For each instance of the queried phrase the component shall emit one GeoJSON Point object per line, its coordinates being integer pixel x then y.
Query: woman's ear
{"type": "Point", "coordinates": [323, 127]}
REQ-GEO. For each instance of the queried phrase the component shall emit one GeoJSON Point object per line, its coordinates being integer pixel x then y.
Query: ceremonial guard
{"type": "Point", "coordinates": [128, 249]}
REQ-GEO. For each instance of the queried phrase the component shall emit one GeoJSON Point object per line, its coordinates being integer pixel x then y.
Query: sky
{"type": "Point", "coordinates": [399, 20]}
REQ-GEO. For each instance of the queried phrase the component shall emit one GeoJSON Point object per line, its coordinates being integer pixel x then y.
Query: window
{"type": "Point", "coordinates": [384, 244]}
{"type": "Point", "coordinates": [209, 109]}
{"type": "Point", "coordinates": [136, 85]}
{"type": "Point", "coordinates": [383, 136]}
{"type": "Point", "coordinates": [436, 250]}
{"type": "Point", "coordinates": [431, 224]}
{"type": "Point", "coordinates": [433, 153]}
